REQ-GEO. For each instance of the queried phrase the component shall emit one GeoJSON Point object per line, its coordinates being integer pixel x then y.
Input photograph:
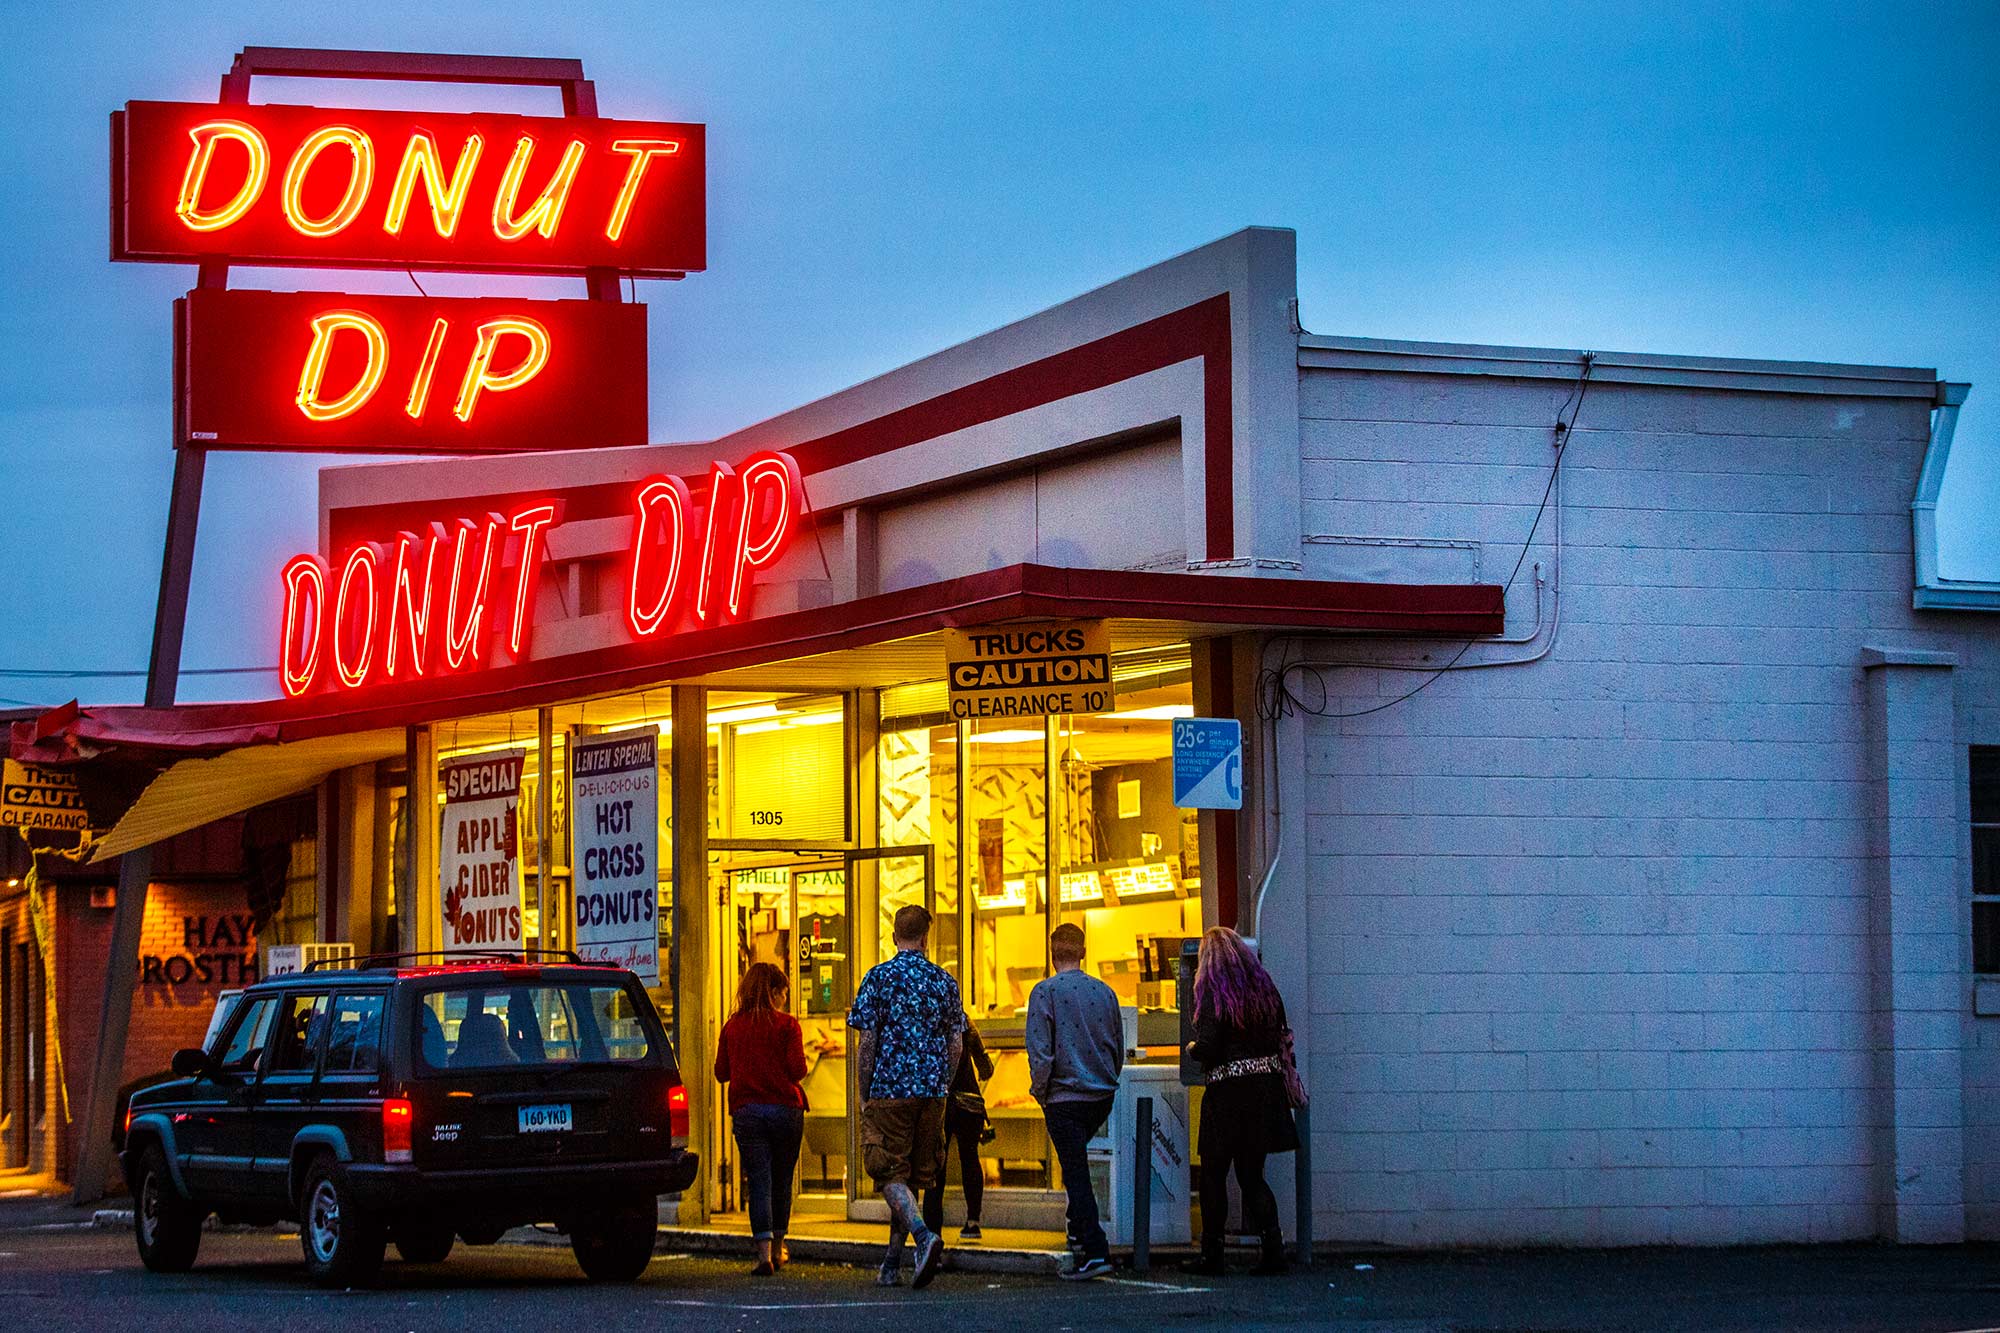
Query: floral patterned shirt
{"type": "Point", "coordinates": [913, 1008]}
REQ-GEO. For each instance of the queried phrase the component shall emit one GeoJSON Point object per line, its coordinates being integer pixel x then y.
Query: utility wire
{"type": "Point", "coordinates": [1275, 695]}
{"type": "Point", "coordinates": [84, 673]}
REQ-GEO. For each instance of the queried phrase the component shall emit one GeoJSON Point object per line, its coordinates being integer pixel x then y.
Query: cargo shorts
{"type": "Point", "coordinates": [902, 1139]}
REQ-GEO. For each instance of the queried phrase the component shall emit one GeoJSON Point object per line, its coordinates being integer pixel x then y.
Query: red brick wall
{"type": "Point", "coordinates": [197, 941]}
{"type": "Point", "coordinates": [40, 1128]}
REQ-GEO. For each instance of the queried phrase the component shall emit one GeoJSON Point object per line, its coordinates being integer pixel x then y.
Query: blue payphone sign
{"type": "Point", "coordinates": [1208, 763]}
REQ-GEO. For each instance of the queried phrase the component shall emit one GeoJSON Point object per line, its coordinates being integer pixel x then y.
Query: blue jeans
{"type": "Point", "coordinates": [1071, 1126]}
{"type": "Point", "coordinates": [768, 1137]}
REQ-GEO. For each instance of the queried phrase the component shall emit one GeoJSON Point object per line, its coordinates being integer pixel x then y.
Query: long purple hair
{"type": "Point", "coordinates": [1230, 985]}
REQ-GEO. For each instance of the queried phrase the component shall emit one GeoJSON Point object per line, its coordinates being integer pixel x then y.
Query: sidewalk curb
{"type": "Point", "coordinates": [861, 1253]}
{"type": "Point", "coordinates": [687, 1240]}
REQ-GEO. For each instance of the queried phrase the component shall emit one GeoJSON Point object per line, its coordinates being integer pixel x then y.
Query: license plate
{"type": "Point", "coordinates": [538, 1119]}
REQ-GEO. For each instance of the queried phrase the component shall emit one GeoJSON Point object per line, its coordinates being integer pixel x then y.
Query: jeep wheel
{"type": "Point", "coordinates": [422, 1240]}
{"type": "Point", "coordinates": [168, 1227]}
{"type": "Point", "coordinates": [343, 1242]}
{"type": "Point", "coordinates": [616, 1245]}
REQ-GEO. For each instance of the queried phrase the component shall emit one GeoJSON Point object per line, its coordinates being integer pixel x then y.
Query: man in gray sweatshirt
{"type": "Point", "coordinates": [1076, 1046]}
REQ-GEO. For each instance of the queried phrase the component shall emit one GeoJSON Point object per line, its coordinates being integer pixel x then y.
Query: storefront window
{"type": "Point", "coordinates": [916, 805]}
{"type": "Point", "coordinates": [1129, 873]}
{"type": "Point", "coordinates": [1006, 864]}
{"type": "Point", "coordinates": [1131, 861]}
{"type": "Point", "coordinates": [782, 769]}
{"type": "Point", "coordinates": [544, 881]}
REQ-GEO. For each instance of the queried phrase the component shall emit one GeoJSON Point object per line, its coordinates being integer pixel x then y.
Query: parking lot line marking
{"type": "Point", "coordinates": [1176, 1288]}
{"type": "Point", "coordinates": [788, 1305]}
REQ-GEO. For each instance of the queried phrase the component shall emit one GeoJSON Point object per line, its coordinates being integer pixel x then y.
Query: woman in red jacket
{"type": "Point", "coordinates": [761, 1056]}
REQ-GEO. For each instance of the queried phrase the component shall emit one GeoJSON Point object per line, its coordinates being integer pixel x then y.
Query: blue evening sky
{"type": "Point", "coordinates": [1808, 181]}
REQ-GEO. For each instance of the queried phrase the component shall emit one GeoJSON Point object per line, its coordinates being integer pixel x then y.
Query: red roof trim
{"type": "Point", "coordinates": [1015, 592]}
{"type": "Point", "coordinates": [1199, 330]}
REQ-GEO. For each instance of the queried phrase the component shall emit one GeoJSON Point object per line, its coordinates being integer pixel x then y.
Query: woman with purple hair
{"type": "Point", "coordinates": [1246, 1112]}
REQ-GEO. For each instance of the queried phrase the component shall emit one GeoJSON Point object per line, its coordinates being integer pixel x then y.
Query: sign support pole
{"type": "Point", "coordinates": [135, 868]}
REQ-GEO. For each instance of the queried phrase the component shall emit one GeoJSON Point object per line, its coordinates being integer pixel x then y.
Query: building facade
{"type": "Point", "coordinates": [1613, 819]}
{"type": "Point", "coordinates": [221, 894]}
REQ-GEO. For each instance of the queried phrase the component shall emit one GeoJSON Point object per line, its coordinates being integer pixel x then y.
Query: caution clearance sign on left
{"type": "Point", "coordinates": [1029, 670]}
{"type": "Point", "coordinates": [32, 796]}
{"type": "Point", "coordinates": [479, 850]}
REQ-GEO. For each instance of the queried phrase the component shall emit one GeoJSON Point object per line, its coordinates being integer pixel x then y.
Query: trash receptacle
{"type": "Point", "coordinates": [1115, 1152]}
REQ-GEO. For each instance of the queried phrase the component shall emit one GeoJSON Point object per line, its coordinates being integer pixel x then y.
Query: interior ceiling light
{"type": "Point", "coordinates": [725, 716]}
{"type": "Point", "coordinates": [1006, 736]}
{"type": "Point", "coordinates": [1157, 713]}
{"type": "Point", "coordinates": [787, 723]}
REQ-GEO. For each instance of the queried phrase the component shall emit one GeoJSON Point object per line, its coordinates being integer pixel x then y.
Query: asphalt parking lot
{"type": "Point", "coordinates": [65, 1275]}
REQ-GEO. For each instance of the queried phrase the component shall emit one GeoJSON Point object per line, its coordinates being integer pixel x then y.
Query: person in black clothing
{"type": "Point", "coordinates": [965, 1125]}
{"type": "Point", "coordinates": [1246, 1113]}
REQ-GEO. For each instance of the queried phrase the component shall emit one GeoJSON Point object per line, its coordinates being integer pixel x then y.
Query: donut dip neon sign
{"type": "Point", "coordinates": [460, 595]}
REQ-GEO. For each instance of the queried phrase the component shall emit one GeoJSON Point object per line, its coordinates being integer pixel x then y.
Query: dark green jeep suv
{"type": "Point", "coordinates": [419, 1099]}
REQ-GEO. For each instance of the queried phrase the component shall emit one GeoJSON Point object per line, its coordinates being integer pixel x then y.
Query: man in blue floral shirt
{"type": "Point", "coordinates": [912, 1030]}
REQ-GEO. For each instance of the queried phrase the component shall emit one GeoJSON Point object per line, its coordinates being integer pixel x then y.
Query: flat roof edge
{"type": "Point", "coordinates": [1332, 352]}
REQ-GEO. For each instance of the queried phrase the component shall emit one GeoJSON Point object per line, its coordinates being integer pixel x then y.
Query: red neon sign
{"type": "Point", "coordinates": [400, 189]}
{"type": "Point", "coordinates": [460, 597]}
{"type": "Point", "coordinates": [330, 371]}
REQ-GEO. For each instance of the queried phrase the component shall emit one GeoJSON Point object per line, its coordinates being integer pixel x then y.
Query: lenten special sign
{"type": "Point", "coordinates": [1029, 670]}
{"type": "Point", "coordinates": [479, 851]}
{"type": "Point", "coordinates": [615, 839]}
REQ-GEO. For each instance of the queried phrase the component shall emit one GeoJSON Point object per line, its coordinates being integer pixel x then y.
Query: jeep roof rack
{"type": "Point", "coordinates": [447, 958]}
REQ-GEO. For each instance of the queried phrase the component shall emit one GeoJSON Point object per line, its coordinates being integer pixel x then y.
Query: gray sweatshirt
{"type": "Point", "coordinates": [1076, 1039]}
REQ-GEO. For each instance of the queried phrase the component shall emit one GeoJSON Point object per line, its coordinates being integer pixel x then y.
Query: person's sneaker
{"type": "Point", "coordinates": [930, 1253]}
{"type": "Point", "coordinates": [1088, 1269]}
{"type": "Point", "coordinates": [890, 1274]}
{"type": "Point", "coordinates": [970, 1231]}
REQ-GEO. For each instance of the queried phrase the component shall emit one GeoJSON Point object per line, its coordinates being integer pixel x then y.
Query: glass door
{"type": "Point", "coordinates": [790, 909]}
{"type": "Point", "coordinates": [819, 947]}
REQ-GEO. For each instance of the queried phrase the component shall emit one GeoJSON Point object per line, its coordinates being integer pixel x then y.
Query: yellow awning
{"type": "Point", "coordinates": [195, 791]}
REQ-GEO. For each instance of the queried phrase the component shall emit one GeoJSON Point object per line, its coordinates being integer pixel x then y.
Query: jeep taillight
{"type": "Point", "coordinates": [397, 1114]}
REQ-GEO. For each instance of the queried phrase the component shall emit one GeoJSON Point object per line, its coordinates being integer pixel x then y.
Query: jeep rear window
{"type": "Point", "coordinates": [506, 1025]}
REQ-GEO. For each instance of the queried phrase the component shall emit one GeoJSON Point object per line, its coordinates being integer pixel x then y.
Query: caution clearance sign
{"type": "Point", "coordinates": [1029, 670]}
{"type": "Point", "coordinates": [32, 796]}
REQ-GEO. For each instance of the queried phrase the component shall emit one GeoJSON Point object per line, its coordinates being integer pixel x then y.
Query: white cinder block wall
{"type": "Point", "coordinates": [1593, 951]}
